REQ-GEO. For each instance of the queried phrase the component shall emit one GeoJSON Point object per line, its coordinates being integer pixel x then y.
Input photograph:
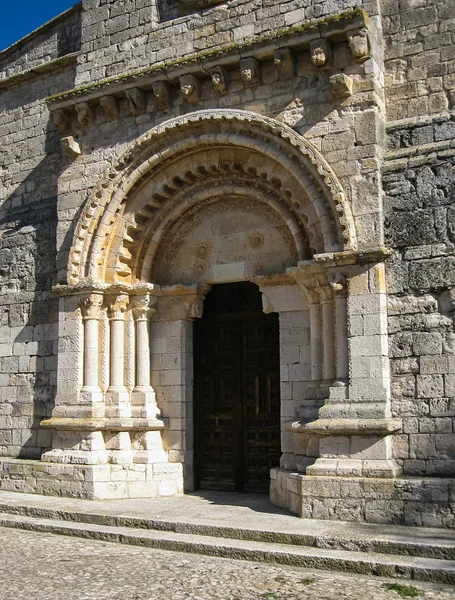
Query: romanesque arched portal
{"type": "Point", "coordinates": [209, 198]}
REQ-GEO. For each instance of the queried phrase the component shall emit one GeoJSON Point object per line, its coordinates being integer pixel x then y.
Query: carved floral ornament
{"type": "Point", "coordinates": [143, 307]}
{"type": "Point", "coordinates": [272, 162]}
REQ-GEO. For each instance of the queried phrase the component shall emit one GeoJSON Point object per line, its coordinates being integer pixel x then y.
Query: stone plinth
{"type": "Point", "coordinates": [93, 482]}
{"type": "Point", "coordinates": [403, 500]}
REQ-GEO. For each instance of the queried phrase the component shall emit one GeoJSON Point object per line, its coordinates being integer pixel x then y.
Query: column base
{"type": "Point", "coordinates": [143, 403]}
{"type": "Point", "coordinates": [117, 403]}
{"type": "Point", "coordinates": [75, 457]}
{"type": "Point", "coordinates": [77, 448]}
{"type": "Point", "coordinates": [349, 467]}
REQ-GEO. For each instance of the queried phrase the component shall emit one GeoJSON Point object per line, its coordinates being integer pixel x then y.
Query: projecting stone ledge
{"type": "Point", "coordinates": [353, 426]}
{"type": "Point", "coordinates": [121, 424]}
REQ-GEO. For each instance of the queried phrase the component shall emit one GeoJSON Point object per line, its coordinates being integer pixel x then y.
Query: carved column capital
{"type": "Point", "coordinates": [117, 306]}
{"type": "Point", "coordinates": [143, 307]}
{"type": "Point", "coordinates": [91, 306]}
{"type": "Point", "coordinates": [339, 284]}
{"type": "Point", "coordinates": [316, 288]}
{"type": "Point", "coordinates": [184, 306]}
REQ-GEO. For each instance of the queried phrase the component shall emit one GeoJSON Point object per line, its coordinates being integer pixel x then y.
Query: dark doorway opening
{"type": "Point", "coordinates": [236, 391]}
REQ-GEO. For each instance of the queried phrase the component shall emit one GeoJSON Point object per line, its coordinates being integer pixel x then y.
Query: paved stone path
{"type": "Point", "coordinates": [42, 566]}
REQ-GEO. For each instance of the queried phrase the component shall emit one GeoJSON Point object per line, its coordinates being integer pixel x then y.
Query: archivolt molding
{"type": "Point", "coordinates": [152, 181]}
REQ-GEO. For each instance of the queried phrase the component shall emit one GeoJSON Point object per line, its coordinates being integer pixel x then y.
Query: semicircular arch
{"type": "Point", "coordinates": [184, 161]}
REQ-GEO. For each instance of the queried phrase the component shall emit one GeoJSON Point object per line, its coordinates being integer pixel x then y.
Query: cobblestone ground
{"type": "Point", "coordinates": [48, 567]}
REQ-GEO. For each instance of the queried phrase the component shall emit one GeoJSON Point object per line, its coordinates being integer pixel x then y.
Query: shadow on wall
{"type": "Point", "coordinates": [28, 308]}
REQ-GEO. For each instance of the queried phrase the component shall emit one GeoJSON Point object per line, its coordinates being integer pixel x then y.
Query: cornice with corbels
{"type": "Point", "coordinates": [187, 73]}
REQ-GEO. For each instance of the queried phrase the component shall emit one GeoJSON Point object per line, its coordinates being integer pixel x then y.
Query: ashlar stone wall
{"type": "Point", "coordinates": [381, 117]}
{"type": "Point", "coordinates": [30, 153]}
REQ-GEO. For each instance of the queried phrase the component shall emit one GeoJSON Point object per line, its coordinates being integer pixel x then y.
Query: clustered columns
{"type": "Point", "coordinates": [349, 368]}
{"type": "Point", "coordinates": [113, 416]}
{"type": "Point", "coordinates": [328, 328]}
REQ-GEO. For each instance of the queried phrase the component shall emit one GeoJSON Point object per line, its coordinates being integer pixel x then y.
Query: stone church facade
{"type": "Point", "coordinates": [227, 254]}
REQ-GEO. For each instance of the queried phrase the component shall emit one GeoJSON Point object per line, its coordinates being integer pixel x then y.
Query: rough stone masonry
{"type": "Point", "coordinates": [152, 150]}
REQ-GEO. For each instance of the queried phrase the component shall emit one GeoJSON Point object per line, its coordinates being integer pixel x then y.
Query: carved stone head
{"type": "Point", "coordinates": [320, 52]}
{"type": "Point", "coordinates": [84, 114]}
{"type": "Point", "coordinates": [249, 69]}
{"type": "Point", "coordinates": [358, 43]}
{"type": "Point", "coordinates": [220, 79]}
{"type": "Point", "coordinates": [190, 88]}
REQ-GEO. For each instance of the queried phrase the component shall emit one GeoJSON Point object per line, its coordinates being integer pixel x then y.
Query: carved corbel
{"type": "Point", "coordinates": [320, 51]}
{"type": "Point", "coordinates": [110, 109]}
{"type": "Point", "coordinates": [162, 93]}
{"type": "Point", "coordinates": [84, 114]}
{"type": "Point", "coordinates": [136, 100]}
{"type": "Point", "coordinates": [284, 62]}
{"type": "Point", "coordinates": [190, 88]}
{"type": "Point", "coordinates": [61, 120]}
{"type": "Point", "coordinates": [220, 79]}
{"type": "Point", "coordinates": [70, 147]}
{"type": "Point", "coordinates": [117, 306]}
{"type": "Point", "coordinates": [341, 85]}
{"type": "Point", "coordinates": [250, 71]}
{"type": "Point", "coordinates": [358, 42]}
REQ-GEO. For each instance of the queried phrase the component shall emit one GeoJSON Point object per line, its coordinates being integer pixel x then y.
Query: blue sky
{"type": "Point", "coordinates": [19, 17]}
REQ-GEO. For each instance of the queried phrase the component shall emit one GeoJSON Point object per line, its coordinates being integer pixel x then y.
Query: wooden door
{"type": "Point", "coordinates": [236, 391]}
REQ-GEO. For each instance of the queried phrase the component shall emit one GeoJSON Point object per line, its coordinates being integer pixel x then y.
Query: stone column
{"type": "Point", "coordinates": [118, 404]}
{"type": "Point", "coordinates": [328, 333]}
{"type": "Point", "coordinates": [315, 334]}
{"type": "Point", "coordinates": [339, 288]}
{"type": "Point", "coordinates": [91, 392]}
{"type": "Point", "coordinates": [76, 438]}
{"type": "Point", "coordinates": [143, 396]}
{"type": "Point", "coordinates": [148, 445]}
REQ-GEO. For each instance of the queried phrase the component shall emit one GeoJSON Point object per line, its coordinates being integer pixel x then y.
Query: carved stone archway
{"type": "Point", "coordinates": [336, 420]}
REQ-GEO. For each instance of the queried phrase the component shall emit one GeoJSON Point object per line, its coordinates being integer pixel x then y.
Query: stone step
{"type": "Point", "coordinates": [403, 541]}
{"type": "Point", "coordinates": [385, 565]}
